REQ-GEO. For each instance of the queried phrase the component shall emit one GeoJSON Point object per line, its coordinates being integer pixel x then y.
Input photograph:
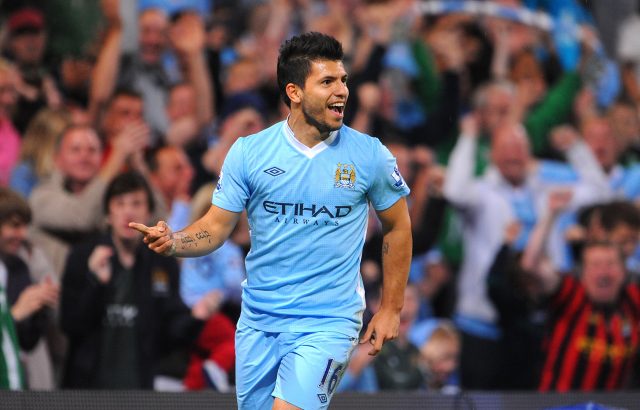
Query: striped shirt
{"type": "Point", "coordinates": [590, 347]}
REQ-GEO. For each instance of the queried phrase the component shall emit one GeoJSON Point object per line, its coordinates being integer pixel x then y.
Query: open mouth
{"type": "Point", "coordinates": [604, 282]}
{"type": "Point", "coordinates": [338, 108]}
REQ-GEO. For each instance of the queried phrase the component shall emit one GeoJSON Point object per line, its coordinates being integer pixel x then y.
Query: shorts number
{"type": "Point", "coordinates": [335, 376]}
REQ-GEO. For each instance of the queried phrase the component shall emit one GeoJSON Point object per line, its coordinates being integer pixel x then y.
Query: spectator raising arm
{"type": "Point", "coordinates": [594, 185]}
{"type": "Point", "coordinates": [458, 186]}
{"type": "Point", "coordinates": [105, 72]}
{"type": "Point", "coordinates": [533, 256]}
{"type": "Point", "coordinates": [188, 38]}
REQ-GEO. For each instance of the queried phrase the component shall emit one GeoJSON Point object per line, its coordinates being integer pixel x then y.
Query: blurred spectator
{"type": "Point", "coordinates": [184, 128]}
{"type": "Point", "coordinates": [66, 205]}
{"type": "Point", "coordinates": [186, 132]}
{"type": "Point", "coordinates": [26, 46]}
{"type": "Point", "coordinates": [242, 115]}
{"type": "Point", "coordinates": [30, 302]}
{"type": "Point", "coordinates": [628, 52]}
{"type": "Point", "coordinates": [11, 374]}
{"type": "Point", "coordinates": [440, 357]}
{"type": "Point", "coordinates": [120, 303]}
{"type": "Point", "coordinates": [216, 277]}
{"type": "Point", "coordinates": [74, 78]}
{"type": "Point", "coordinates": [396, 365]}
{"type": "Point", "coordinates": [9, 136]}
{"type": "Point", "coordinates": [625, 124]}
{"type": "Point", "coordinates": [170, 176]}
{"type": "Point", "coordinates": [221, 271]}
{"type": "Point", "coordinates": [242, 76]}
{"type": "Point", "coordinates": [429, 268]}
{"type": "Point", "coordinates": [145, 71]}
{"type": "Point", "coordinates": [512, 189]}
{"type": "Point", "coordinates": [433, 278]}
{"type": "Point", "coordinates": [123, 120]}
{"type": "Point", "coordinates": [598, 134]}
{"type": "Point", "coordinates": [617, 222]}
{"type": "Point", "coordinates": [517, 294]}
{"type": "Point", "coordinates": [591, 344]}
{"type": "Point", "coordinates": [587, 345]}
{"type": "Point", "coordinates": [38, 147]}
{"type": "Point", "coordinates": [72, 33]}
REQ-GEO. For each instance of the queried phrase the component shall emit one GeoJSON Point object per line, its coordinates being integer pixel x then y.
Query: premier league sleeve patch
{"type": "Point", "coordinates": [219, 183]}
{"type": "Point", "coordinates": [388, 185]}
{"type": "Point", "coordinates": [397, 177]}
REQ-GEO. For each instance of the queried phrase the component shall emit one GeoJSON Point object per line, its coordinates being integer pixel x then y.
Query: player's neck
{"type": "Point", "coordinates": [304, 132]}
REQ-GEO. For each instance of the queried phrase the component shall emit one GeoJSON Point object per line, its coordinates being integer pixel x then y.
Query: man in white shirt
{"type": "Point", "coordinates": [514, 188]}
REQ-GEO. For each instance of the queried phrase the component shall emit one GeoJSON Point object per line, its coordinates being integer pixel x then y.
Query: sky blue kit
{"type": "Point", "coordinates": [307, 210]}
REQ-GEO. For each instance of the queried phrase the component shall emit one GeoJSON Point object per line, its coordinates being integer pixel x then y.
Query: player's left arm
{"type": "Point", "coordinates": [396, 258]}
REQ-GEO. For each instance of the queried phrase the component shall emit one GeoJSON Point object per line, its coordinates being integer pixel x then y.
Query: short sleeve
{"type": "Point", "coordinates": [232, 190]}
{"type": "Point", "coordinates": [387, 186]}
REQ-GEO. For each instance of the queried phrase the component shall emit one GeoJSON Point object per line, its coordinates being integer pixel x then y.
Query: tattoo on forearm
{"type": "Point", "coordinates": [203, 234]}
{"type": "Point", "coordinates": [186, 241]}
{"type": "Point", "coordinates": [385, 248]}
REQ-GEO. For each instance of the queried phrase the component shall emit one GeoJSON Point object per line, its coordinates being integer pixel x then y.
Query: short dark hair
{"type": "Point", "coordinates": [124, 183]}
{"type": "Point", "coordinates": [151, 157]}
{"type": "Point", "coordinates": [123, 92]}
{"type": "Point", "coordinates": [296, 55]}
{"type": "Point", "coordinates": [13, 205]}
{"type": "Point", "coordinates": [618, 213]}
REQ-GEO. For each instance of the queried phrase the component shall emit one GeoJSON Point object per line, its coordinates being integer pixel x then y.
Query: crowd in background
{"type": "Point", "coordinates": [518, 136]}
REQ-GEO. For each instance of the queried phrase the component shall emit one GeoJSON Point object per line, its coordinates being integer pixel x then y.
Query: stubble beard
{"type": "Point", "coordinates": [321, 126]}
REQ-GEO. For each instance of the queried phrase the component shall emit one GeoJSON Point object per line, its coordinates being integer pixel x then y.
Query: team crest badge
{"type": "Point", "coordinates": [345, 176]}
{"type": "Point", "coordinates": [160, 281]}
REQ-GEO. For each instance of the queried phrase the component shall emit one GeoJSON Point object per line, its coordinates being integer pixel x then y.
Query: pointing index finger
{"type": "Point", "coordinates": [140, 227]}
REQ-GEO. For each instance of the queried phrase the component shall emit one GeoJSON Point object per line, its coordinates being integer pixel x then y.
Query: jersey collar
{"type": "Point", "coordinates": [303, 149]}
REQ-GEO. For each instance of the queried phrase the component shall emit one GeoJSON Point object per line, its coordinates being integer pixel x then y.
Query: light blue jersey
{"type": "Point", "coordinates": [307, 210]}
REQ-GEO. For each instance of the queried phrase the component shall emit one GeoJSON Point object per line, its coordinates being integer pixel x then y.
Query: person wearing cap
{"type": "Point", "coordinates": [26, 46]}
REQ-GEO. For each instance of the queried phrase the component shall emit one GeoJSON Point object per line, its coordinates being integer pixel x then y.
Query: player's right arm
{"type": "Point", "coordinates": [200, 238]}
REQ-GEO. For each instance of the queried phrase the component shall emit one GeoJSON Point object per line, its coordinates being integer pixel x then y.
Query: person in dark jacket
{"type": "Point", "coordinates": [121, 308]}
{"type": "Point", "coordinates": [29, 301]}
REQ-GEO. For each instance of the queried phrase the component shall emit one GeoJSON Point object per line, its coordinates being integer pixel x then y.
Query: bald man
{"type": "Point", "coordinates": [513, 188]}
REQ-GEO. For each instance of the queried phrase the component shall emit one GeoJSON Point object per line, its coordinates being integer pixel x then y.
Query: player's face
{"type": "Point", "coordinates": [325, 95]}
{"type": "Point", "coordinates": [130, 206]}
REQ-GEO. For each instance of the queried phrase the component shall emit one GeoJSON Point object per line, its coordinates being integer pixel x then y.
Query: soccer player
{"type": "Point", "coordinates": [306, 184]}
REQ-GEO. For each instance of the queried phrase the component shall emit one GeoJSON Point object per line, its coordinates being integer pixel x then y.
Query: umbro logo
{"type": "Point", "coordinates": [274, 171]}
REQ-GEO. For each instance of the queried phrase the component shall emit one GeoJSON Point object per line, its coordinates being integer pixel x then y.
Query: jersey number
{"type": "Point", "coordinates": [335, 375]}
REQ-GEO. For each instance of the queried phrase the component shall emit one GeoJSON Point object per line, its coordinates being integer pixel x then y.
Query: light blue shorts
{"type": "Point", "coordinates": [303, 369]}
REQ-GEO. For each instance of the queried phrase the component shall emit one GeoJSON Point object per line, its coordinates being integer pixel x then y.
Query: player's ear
{"type": "Point", "coordinates": [294, 93]}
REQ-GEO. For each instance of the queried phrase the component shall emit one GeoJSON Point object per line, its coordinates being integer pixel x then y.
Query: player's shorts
{"type": "Point", "coordinates": [303, 369]}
